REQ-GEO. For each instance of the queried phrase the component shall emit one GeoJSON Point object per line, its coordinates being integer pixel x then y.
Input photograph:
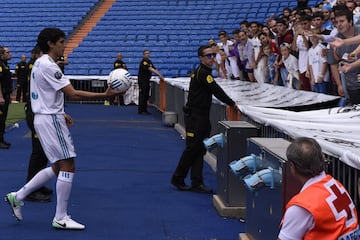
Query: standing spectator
{"type": "Point", "coordinates": [22, 75]}
{"type": "Point", "coordinates": [258, 61]}
{"type": "Point", "coordinates": [318, 67]}
{"type": "Point", "coordinates": [284, 36]}
{"type": "Point", "coordinates": [244, 26]}
{"type": "Point", "coordinates": [346, 29]}
{"type": "Point", "coordinates": [270, 59]}
{"type": "Point", "coordinates": [323, 208]}
{"type": "Point", "coordinates": [231, 61]}
{"type": "Point", "coordinates": [5, 92]}
{"type": "Point", "coordinates": [197, 122]}
{"type": "Point", "coordinates": [292, 67]}
{"type": "Point", "coordinates": [301, 45]}
{"type": "Point", "coordinates": [48, 85]}
{"type": "Point", "coordinates": [146, 69]}
{"type": "Point", "coordinates": [246, 53]}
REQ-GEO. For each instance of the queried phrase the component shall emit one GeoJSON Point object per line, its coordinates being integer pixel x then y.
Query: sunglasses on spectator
{"type": "Point", "coordinates": [210, 55]}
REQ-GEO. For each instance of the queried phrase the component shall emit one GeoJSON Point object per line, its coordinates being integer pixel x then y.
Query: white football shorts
{"type": "Point", "coordinates": [54, 136]}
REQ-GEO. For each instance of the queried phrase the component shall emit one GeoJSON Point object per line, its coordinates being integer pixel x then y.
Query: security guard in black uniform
{"type": "Point", "coordinates": [22, 75]}
{"type": "Point", "coordinates": [38, 159]}
{"type": "Point", "coordinates": [197, 122]}
{"type": "Point", "coordinates": [5, 92]}
{"type": "Point", "coordinates": [119, 63]}
{"type": "Point", "coordinates": [146, 69]}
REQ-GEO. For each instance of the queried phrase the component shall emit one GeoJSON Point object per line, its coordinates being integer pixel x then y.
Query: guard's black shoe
{"type": "Point", "coordinates": [180, 184]}
{"type": "Point", "coordinates": [38, 197]}
{"type": "Point", "coordinates": [3, 145]}
{"type": "Point", "coordinates": [145, 113]}
{"type": "Point", "coordinates": [201, 189]}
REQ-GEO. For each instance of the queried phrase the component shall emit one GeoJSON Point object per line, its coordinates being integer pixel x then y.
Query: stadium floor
{"type": "Point", "coordinates": [121, 189]}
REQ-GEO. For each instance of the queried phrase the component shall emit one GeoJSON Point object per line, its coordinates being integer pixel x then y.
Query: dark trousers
{"type": "Point", "coordinates": [354, 96]}
{"type": "Point", "coordinates": [38, 159]}
{"type": "Point", "coordinates": [144, 90]}
{"type": "Point", "coordinates": [4, 108]}
{"type": "Point", "coordinates": [198, 128]}
{"type": "Point", "coordinates": [22, 90]}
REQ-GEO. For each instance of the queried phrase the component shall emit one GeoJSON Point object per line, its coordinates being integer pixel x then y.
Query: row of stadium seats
{"type": "Point", "coordinates": [23, 20]}
{"type": "Point", "coordinates": [171, 30]}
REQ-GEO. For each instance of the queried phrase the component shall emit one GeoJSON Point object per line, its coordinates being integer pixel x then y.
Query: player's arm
{"type": "Point", "coordinates": [74, 94]}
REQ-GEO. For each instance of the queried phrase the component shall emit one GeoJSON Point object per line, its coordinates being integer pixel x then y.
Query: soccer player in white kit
{"type": "Point", "coordinates": [47, 88]}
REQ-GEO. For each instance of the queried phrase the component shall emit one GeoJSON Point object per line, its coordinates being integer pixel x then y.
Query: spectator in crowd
{"type": "Point", "coordinates": [326, 10]}
{"type": "Point", "coordinates": [318, 67]}
{"type": "Point", "coordinates": [146, 69]}
{"type": "Point", "coordinates": [246, 53]}
{"type": "Point", "coordinates": [336, 56]}
{"type": "Point", "coordinates": [301, 46]}
{"type": "Point", "coordinates": [266, 29]}
{"type": "Point", "coordinates": [258, 60]}
{"type": "Point", "coordinates": [270, 58]}
{"type": "Point", "coordinates": [284, 36]}
{"type": "Point", "coordinates": [220, 59]}
{"type": "Point", "coordinates": [231, 61]}
{"type": "Point", "coordinates": [292, 66]}
{"type": "Point", "coordinates": [323, 208]}
{"type": "Point", "coordinates": [197, 123]}
{"type": "Point", "coordinates": [5, 92]}
{"type": "Point", "coordinates": [22, 74]}
{"type": "Point", "coordinates": [271, 24]}
{"type": "Point", "coordinates": [244, 26]}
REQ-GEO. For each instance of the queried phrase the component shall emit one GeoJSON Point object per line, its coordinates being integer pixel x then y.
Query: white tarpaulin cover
{"type": "Point", "coordinates": [337, 129]}
{"type": "Point", "coordinates": [264, 95]}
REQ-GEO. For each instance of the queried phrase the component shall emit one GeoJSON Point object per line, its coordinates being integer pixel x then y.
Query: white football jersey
{"type": "Point", "coordinates": [46, 82]}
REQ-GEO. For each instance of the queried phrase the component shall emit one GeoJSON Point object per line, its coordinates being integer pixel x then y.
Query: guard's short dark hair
{"type": "Point", "coordinates": [49, 34]}
{"type": "Point", "coordinates": [201, 50]}
{"type": "Point", "coordinates": [306, 154]}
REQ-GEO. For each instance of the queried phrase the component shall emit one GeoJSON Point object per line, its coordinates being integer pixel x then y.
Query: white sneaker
{"type": "Point", "coordinates": [67, 223]}
{"type": "Point", "coordinates": [15, 205]}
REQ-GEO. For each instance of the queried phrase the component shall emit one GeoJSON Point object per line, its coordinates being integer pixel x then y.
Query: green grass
{"type": "Point", "coordinates": [16, 113]}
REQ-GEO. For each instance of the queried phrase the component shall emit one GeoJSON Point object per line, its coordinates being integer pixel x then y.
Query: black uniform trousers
{"type": "Point", "coordinates": [198, 127]}
{"type": "Point", "coordinates": [22, 90]}
{"type": "Point", "coordinates": [4, 109]}
{"type": "Point", "coordinates": [144, 91]}
{"type": "Point", "coordinates": [38, 159]}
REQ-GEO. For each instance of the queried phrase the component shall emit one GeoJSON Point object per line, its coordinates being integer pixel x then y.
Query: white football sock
{"type": "Point", "coordinates": [36, 182]}
{"type": "Point", "coordinates": [63, 190]}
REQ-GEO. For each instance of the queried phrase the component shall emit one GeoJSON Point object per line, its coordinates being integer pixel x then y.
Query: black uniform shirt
{"type": "Point", "coordinates": [202, 87]}
{"type": "Point", "coordinates": [144, 72]}
{"type": "Point", "coordinates": [120, 64]}
{"type": "Point", "coordinates": [5, 77]}
{"type": "Point", "coordinates": [22, 71]}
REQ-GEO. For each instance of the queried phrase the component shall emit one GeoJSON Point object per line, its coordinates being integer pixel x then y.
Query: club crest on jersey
{"type": "Point", "coordinates": [209, 79]}
{"type": "Point", "coordinates": [34, 95]}
{"type": "Point", "coordinates": [58, 75]}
